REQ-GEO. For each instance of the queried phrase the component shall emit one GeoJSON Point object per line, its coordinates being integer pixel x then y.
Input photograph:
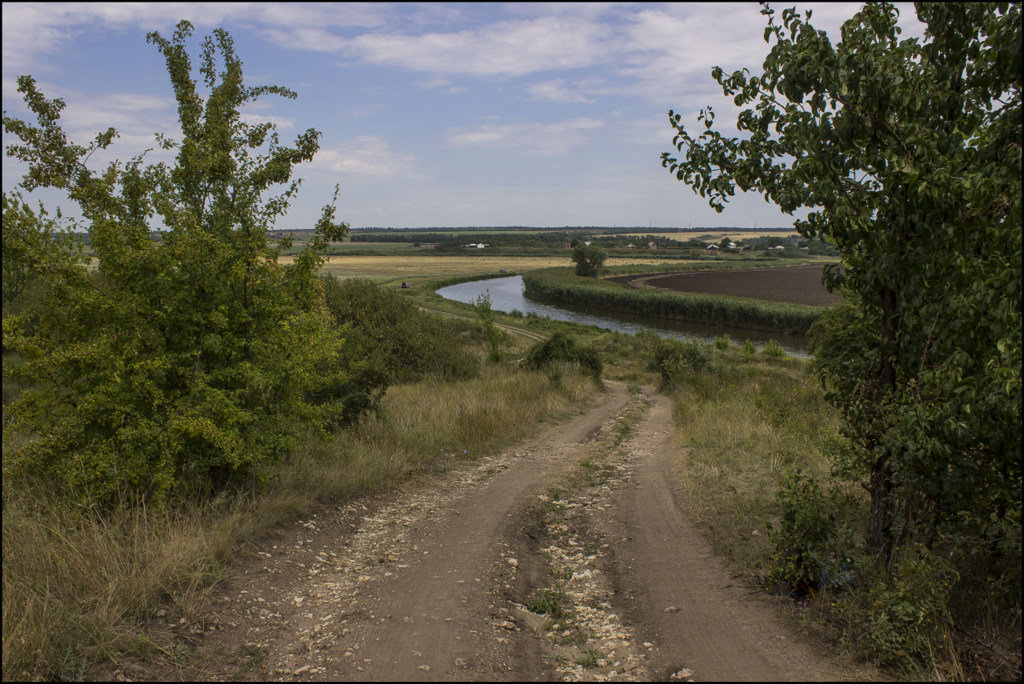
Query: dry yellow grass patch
{"type": "Point", "coordinates": [444, 266]}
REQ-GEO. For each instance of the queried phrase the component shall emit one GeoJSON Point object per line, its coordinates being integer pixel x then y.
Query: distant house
{"type": "Point", "coordinates": [652, 245]}
{"type": "Point", "coordinates": [712, 247]}
{"type": "Point", "coordinates": [731, 245]}
{"type": "Point", "coordinates": [587, 243]}
{"type": "Point", "coordinates": [778, 247]}
{"type": "Point", "coordinates": [477, 246]}
{"type": "Point", "coordinates": [630, 246]}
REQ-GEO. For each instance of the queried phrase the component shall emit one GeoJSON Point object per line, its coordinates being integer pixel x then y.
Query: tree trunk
{"type": "Point", "coordinates": [881, 532]}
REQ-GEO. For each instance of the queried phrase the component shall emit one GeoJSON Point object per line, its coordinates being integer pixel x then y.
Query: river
{"type": "Point", "coordinates": [507, 296]}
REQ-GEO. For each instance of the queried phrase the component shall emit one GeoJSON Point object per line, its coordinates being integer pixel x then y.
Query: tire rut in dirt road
{"type": "Point", "coordinates": [680, 596]}
{"type": "Point", "coordinates": [415, 588]}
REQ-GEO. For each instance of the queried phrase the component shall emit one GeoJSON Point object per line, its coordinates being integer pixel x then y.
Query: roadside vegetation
{"type": "Point", "coordinates": [167, 400]}
{"type": "Point", "coordinates": [908, 159]}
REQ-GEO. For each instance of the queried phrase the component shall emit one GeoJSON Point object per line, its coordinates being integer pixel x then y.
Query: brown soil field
{"type": "Point", "coordinates": [794, 285]}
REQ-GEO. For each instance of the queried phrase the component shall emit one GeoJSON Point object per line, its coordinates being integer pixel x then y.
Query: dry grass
{"type": "Point", "coordinates": [418, 268]}
{"type": "Point", "coordinates": [77, 586]}
{"type": "Point", "coordinates": [745, 425]}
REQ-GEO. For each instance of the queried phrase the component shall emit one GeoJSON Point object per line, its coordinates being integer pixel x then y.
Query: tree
{"type": "Point", "coordinates": [191, 362]}
{"type": "Point", "coordinates": [588, 259]}
{"type": "Point", "coordinates": [494, 335]}
{"type": "Point", "coordinates": [907, 155]}
{"type": "Point", "coordinates": [33, 245]}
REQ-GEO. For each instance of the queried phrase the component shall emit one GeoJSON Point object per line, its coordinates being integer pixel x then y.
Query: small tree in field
{"type": "Point", "coordinates": [907, 155]}
{"type": "Point", "coordinates": [588, 259]}
{"type": "Point", "coordinates": [191, 362]}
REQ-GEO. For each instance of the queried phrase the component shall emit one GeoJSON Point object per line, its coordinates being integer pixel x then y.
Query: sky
{"type": "Point", "coordinates": [432, 114]}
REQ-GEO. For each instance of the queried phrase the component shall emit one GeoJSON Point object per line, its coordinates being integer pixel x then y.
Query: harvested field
{"type": "Point", "coordinates": [794, 285]}
{"type": "Point", "coordinates": [414, 266]}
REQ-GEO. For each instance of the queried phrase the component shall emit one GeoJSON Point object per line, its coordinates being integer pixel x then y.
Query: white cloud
{"type": "Point", "coordinates": [283, 123]}
{"type": "Point", "coordinates": [556, 90]}
{"type": "Point", "coordinates": [365, 156]}
{"type": "Point", "coordinates": [34, 29]}
{"type": "Point", "coordinates": [543, 139]}
{"type": "Point", "coordinates": [504, 49]}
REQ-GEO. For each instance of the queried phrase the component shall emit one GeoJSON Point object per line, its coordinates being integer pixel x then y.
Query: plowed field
{"type": "Point", "coordinates": [795, 285]}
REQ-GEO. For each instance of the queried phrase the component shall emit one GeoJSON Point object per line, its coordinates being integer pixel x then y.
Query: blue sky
{"type": "Point", "coordinates": [540, 114]}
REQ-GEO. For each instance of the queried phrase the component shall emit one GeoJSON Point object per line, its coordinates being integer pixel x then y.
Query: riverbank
{"type": "Point", "coordinates": [507, 296]}
{"type": "Point", "coordinates": [563, 286]}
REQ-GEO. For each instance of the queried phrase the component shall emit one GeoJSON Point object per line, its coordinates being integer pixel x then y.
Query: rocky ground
{"type": "Point", "coordinates": [563, 558]}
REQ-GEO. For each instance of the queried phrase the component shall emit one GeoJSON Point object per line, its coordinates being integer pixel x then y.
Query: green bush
{"type": "Point", "coordinates": [812, 545]}
{"type": "Point", "coordinates": [772, 350]}
{"type": "Point", "coordinates": [390, 339]}
{"type": "Point", "coordinates": [722, 342]}
{"type": "Point", "coordinates": [676, 360]}
{"type": "Point", "coordinates": [562, 347]}
{"type": "Point", "coordinates": [748, 348]}
{"type": "Point", "coordinates": [899, 619]}
{"type": "Point", "coordinates": [178, 366]}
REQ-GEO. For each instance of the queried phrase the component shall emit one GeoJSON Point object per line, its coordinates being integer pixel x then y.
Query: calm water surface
{"type": "Point", "coordinates": [507, 296]}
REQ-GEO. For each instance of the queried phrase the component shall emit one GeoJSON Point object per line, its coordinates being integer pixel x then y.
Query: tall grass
{"type": "Point", "coordinates": [746, 423]}
{"type": "Point", "coordinates": [77, 585]}
{"type": "Point", "coordinates": [560, 285]}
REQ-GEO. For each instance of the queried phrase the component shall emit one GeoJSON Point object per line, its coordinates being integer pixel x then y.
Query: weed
{"type": "Point", "coordinates": [563, 573]}
{"type": "Point", "coordinates": [772, 349]}
{"type": "Point", "coordinates": [550, 602]}
{"type": "Point", "coordinates": [575, 637]}
{"type": "Point", "coordinates": [589, 658]}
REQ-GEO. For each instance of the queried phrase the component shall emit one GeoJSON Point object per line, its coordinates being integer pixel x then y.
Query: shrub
{"type": "Point", "coordinates": [182, 365]}
{"type": "Point", "coordinates": [722, 342]}
{"type": "Point", "coordinates": [494, 334]}
{"type": "Point", "coordinates": [811, 543]}
{"type": "Point", "coordinates": [773, 350]}
{"type": "Point", "coordinates": [900, 618]}
{"type": "Point", "coordinates": [748, 348]}
{"type": "Point", "coordinates": [675, 360]}
{"type": "Point", "coordinates": [392, 339]}
{"type": "Point", "coordinates": [562, 347]}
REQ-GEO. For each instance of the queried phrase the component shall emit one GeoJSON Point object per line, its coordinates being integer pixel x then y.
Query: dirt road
{"type": "Point", "coordinates": [430, 582]}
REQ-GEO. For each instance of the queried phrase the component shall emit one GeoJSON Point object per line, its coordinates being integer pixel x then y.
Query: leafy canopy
{"type": "Point", "coordinates": [906, 155]}
{"type": "Point", "coordinates": [189, 361]}
{"type": "Point", "coordinates": [588, 259]}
